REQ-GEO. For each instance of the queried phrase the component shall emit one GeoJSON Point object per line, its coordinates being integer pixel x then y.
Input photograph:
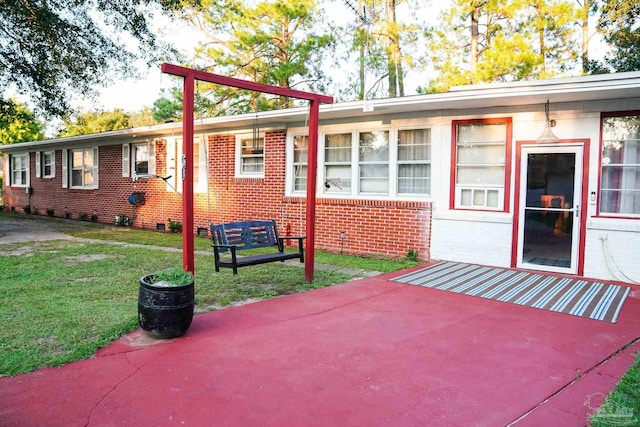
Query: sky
{"type": "Point", "coordinates": [185, 38]}
{"type": "Point", "coordinates": [134, 94]}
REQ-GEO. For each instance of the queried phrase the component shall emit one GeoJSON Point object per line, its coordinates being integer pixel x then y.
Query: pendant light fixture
{"type": "Point", "coordinates": [547, 135]}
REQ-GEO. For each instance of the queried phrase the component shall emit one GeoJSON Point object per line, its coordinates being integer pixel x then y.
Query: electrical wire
{"type": "Point", "coordinates": [607, 256]}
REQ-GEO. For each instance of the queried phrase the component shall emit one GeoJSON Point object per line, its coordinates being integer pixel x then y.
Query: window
{"type": "Point", "coordinates": [251, 156]}
{"type": "Point", "coordinates": [620, 179]}
{"type": "Point", "coordinates": [374, 162]}
{"type": "Point", "coordinates": [300, 156]}
{"type": "Point", "coordinates": [84, 168]}
{"type": "Point", "coordinates": [141, 159]}
{"type": "Point", "coordinates": [20, 170]}
{"type": "Point", "coordinates": [45, 164]}
{"type": "Point", "coordinates": [48, 164]}
{"type": "Point", "coordinates": [414, 161]}
{"type": "Point", "coordinates": [337, 162]}
{"type": "Point", "coordinates": [480, 151]}
{"type": "Point", "coordinates": [174, 164]}
{"type": "Point", "coordinates": [381, 163]}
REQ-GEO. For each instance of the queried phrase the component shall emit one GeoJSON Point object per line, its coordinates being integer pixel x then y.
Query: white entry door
{"type": "Point", "coordinates": [549, 208]}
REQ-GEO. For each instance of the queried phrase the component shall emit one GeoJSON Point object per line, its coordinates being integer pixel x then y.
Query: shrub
{"type": "Point", "coordinates": [175, 226]}
{"type": "Point", "coordinates": [122, 220]}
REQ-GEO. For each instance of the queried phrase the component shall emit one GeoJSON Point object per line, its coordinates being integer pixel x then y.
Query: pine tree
{"type": "Point", "coordinates": [272, 42]}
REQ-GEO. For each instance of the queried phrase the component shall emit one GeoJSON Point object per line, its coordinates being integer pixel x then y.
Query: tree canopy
{"type": "Point", "coordinates": [273, 42]}
{"type": "Point", "coordinates": [54, 48]}
{"type": "Point", "coordinates": [619, 23]}
{"type": "Point", "coordinates": [86, 122]}
{"type": "Point", "coordinates": [503, 40]}
{"type": "Point", "coordinates": [18, 123]}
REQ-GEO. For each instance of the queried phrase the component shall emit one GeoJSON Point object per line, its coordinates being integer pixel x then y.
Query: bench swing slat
{"type": "Point", "coordinates": [234, 236]}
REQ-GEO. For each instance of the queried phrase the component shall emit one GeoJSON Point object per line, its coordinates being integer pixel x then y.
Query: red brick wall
{"type": "Point", "coordinates": [371, 227]}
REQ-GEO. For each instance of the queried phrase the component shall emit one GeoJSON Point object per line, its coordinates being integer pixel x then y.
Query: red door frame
{"type": "Point", "coordinates": [583, 201]}
{"type": "Point", "coordinates": [190, 76]}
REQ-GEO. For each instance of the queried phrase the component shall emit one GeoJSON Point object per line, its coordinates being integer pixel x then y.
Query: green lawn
{"type": "Point", "coordinates": [62, 300]}
{"type": "Point", "coordinates": [622, 407]}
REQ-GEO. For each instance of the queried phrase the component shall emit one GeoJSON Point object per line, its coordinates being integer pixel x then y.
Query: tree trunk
{"type": "Point", "coordinates": [362, 40]}
{"type": "Point", "coordinates": [392, 48]}
{"type": "Point", "coordinates": [543, 49]}
{"type": "Point", "coordinates": [361, 93]}
{"type": "Point", "coordinates": [584, 24]}
{"type": "Point", "coordinates": [400, 73]}
{"type": "Point", "coordinates": [475, 35]}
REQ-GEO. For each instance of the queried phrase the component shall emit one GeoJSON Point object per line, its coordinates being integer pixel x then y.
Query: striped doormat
{"type": "Point", "coordinates": [593, 300]}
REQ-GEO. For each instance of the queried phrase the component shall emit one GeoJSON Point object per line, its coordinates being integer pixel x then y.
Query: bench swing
{"type": "Point", "coordinates": [229, 238]}
{"type": "Point", "coordinates": [189, 76]}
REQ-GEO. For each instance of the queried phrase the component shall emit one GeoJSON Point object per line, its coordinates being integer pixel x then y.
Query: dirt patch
{"type": "Point", "coordinates": [26, 251]}
{"type": "Point", "coordinates": [88, 257]}
{"type": "Point", "coordinates": [233, 304]}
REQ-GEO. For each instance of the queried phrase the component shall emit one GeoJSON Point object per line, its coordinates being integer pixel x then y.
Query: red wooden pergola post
{"type": "Point", "coordinates": [190, 76]}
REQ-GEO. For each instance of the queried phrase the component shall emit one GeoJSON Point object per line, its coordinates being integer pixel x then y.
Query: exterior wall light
{"type": "Point", "coordinates": [547, 135]}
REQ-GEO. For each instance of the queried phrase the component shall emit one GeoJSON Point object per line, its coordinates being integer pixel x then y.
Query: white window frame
{"type": "Point", "coordinates": [628, 178]}
{"type": "Point", "coordinates": [51, 164]}
{"type": "Point", "coordinates": [130, 160]}
{"type": "Point", "coordinates": [302, 164]}
{"type": "Point", "coordinates": [93, 169]}
{"type": "Point", "coordinates": [339, 185]}
{"type": "Point", "coordinates": [368, 163]}
{"type": "Point", "coordinates": [174, 164]}
{"type": "Point", "coordinates": [241, 157]}
{"type": "Point", "coordinates": [23, 160]}
{"type": "Point", "coordinates": [414, 162]}
{"type": "Point", "coordinates": [354, 163]}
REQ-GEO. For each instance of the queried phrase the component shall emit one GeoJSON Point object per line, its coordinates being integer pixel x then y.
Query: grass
{"type": "Point", "coordinates": [62, 300]}
{"type": "Point", "coordinates": [622, 406]}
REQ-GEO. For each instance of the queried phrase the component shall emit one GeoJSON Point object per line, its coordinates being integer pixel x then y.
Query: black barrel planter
{"type": "Point", "coordinates": [165, 310]}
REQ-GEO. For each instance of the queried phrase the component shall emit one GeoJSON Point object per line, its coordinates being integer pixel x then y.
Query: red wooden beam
{"type": "Point", "coordinates": [190, 75]}
{"type": "Point", "coordinates": [312, 159]}
{"type": "Point", "coordinates": [177, 70]}
{"type": "Point", "coordinates": [188, 253]}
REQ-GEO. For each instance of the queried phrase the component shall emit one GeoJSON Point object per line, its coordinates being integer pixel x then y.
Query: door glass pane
{"type": "Point", "coordinates": [548, 213]}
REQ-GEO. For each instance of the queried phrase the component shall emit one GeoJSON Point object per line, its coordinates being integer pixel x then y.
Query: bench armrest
{"type": "Point", "coordinates": [300, 244]}
{"type": "Point", "coordinates": [230, 248]}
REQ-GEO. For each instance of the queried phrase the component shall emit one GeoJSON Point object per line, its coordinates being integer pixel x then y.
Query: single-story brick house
{"type": "Point", "coordinates": [459, 176]}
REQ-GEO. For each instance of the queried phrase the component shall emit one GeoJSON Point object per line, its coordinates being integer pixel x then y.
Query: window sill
{"type": "Point", "coordinates": [249, 176]}
{"type": "Point", "coordinates": [625, 217]}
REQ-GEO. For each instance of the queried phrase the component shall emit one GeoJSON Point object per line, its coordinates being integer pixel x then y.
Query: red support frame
{"type": "Point", "coordinates": [190, 76]}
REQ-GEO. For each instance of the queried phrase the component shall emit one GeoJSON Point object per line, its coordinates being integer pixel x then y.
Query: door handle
{"type": "Point", "coordinates": [577, 211]}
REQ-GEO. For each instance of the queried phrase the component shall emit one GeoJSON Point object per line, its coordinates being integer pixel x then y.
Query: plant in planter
{"type": "Point", "coordinates": [166, 300]}
{"type": "Point", "coordinates": [50, 212]}
{"type": "Point", "coordinates": [83, 216]}
{"type": "Point", "coordinates": [27, 209]}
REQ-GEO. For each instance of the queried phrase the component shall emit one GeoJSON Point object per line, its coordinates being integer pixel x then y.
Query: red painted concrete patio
{"type": "Point", "coordinates": [365, 353]}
